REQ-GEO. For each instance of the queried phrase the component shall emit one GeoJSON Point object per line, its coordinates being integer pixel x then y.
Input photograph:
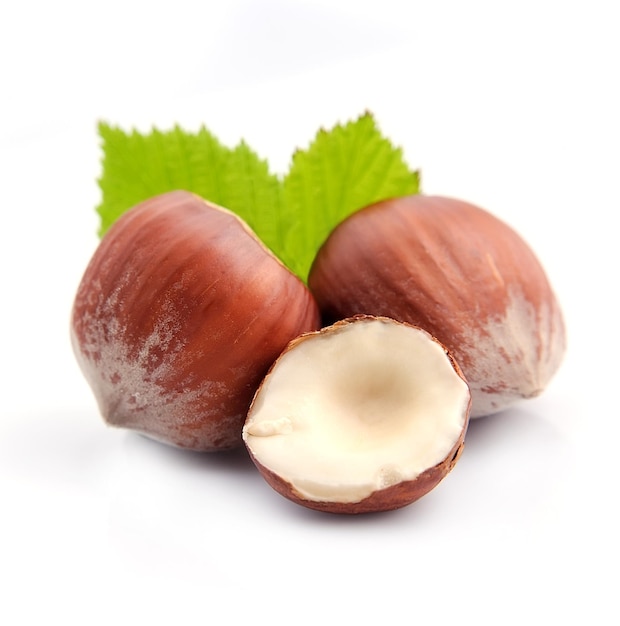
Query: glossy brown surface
{"type": "Point", "coordinates": [460, 273]}
{"type": "Point", "coordinates": [178, 317]}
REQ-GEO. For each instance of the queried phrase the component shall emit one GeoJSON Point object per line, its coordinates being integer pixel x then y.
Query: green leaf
{"type": "Point", "coordinates": [254, 194]}
{"type": "Point", "coordinates": [138, 166]}
{"type": "Point", "coordinates": [342, 171]}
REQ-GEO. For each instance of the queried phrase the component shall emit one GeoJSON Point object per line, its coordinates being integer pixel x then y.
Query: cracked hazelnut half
{"type": "Point", "coordinates": [366, 415]}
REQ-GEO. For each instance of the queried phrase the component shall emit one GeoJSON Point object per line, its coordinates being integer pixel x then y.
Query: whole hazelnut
{"type": "Point", "coordinates": [179, 315]}
{"type": "Point", "coordinates": [460, 273]}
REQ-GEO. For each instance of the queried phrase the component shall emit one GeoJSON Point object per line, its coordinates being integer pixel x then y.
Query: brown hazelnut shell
{"type": "Point", "coordinates": [179, 315]}
{"type": "Point", "coordinates": [459, 272]}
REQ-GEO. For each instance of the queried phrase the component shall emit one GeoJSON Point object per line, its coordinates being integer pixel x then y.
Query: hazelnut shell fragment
{"type": "Point", "coordinates": [366, 415]}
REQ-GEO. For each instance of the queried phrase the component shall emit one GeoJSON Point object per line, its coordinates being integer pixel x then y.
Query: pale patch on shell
{"type": "Point", "coordinates": [131, 390]}
{"type": "Point", "coordinates": [515, 353]}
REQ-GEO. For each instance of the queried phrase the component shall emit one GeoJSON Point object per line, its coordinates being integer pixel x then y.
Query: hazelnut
{"type": "Point", "coordinates": [179, 315]}
{"type": "Point", "coordinates": [460, 273]}
{"type": "Point", "coordinates": [366, 415]}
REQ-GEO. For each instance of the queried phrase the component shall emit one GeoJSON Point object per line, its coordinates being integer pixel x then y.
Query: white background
{"type": "Point", "coordinates": [512, 106]}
